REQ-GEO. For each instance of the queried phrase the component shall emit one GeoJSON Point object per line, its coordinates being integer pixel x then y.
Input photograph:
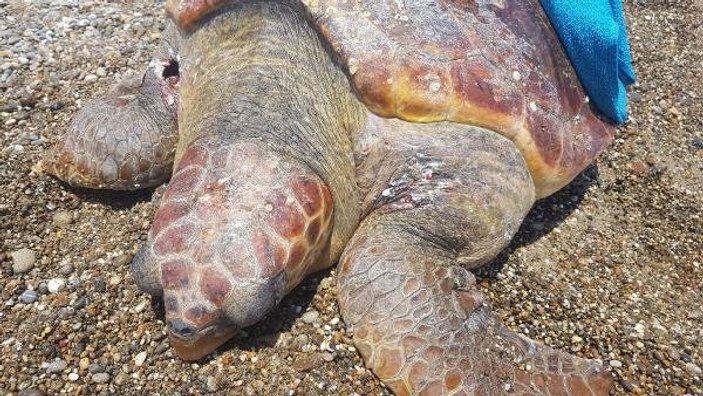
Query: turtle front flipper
{"type": "Point", "coordinates": [452, 199]}
{"type": "Point", "coordinates": [125, 140]}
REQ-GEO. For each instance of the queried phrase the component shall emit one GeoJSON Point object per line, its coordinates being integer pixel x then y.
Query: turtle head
{"type": "Point", "coordinates": [237, 228]}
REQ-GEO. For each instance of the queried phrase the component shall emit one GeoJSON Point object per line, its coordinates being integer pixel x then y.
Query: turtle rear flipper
{"type": "Point", "coordinates": [456, 199]}
{"type": "Point", "coordinates": [125, 140]}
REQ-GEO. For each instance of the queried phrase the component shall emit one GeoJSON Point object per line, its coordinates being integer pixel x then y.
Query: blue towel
{"type": "Point", "coordinates": [594, 36]}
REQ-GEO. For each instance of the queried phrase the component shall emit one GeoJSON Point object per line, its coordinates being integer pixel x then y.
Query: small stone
{"type": "Point", "coordinates": [615, 363]}
{"type": "Point", "coordinates": [56, 366]}
{"type": "Point", "coordinates": [307, 362]}
{"type": "Point", "coordinates": [55, 285]}
{"type": "Point", "coordinates": [627, 385]}
{"type": "Point", "coordinates": [334, 321]}
{"type": "Point", "coordinates": [23, 260]}
{"type": "Point", "coordinates": [31, 392]}
{"type": "Point", "coordinates": [28, 296]}
{"type": "Point", "coordinates": [121, 378]}
{"type": "Point", "coordinates": [66, 269]}
{"type": "Point", "coordinates": [139, 359]}
{"type": "Point", "coordinates": [122, 260]}
{"type": "Point", "coordinates": [62, 219]}
{"type": "Point", "coordinates": [95, 368]}
{"type": "Point", "coordinates": [694, 369]}
{"type": "Point", "coordinates": [639, 168]}
{"type": "Point", "coordinates": [84, 363]}
{"type": "Point", "coordinates": [327, 357]}
{"type": "Point", "coordinates": [212, 384]}
{"type": "Point", "coordinates": [73, 377]}
{"type": "Point", "coordinates": [697, 143]}
{"type": "Point", "coordinates": [101, 72]}
{"type": "Point", "coordinates": [101, 378]}
{"type": "Point", "coordinates": [90, 78]}
{"type": "Point", "coordinates": [311, 317]}
{"type": "Point", "coordinates": [325, 283]}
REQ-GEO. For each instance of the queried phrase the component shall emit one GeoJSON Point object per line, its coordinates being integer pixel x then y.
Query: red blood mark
{"type": "Point", "coordinates": [214, 286]}
{"type": "Point", "coordinates": [286, 219]}
{"type": "Point", "coordinates": [174, 274]}
{"type": "Point", "coordinates": [200, 315]}
{"type": "Point", "coordinates": [175, 240]}
{"type": "Point", "coordinates": [297, 254]}
{"type": "Point", "coordinates": [168, 214]}
{"type": "Point", "coordinates": [313, 231]}
{"type": "Point", "coordinates": [194, 155]}
{"type": "Point", "coordinates": [270, 256]}
{"type": "Point", "coordinates": [308, 194]}
{"type": "Point", "coordinates": [183, 183]}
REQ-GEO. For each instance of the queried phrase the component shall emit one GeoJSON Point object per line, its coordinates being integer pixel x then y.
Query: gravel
{"type": "Point", "coordinates": [23, 260]}
{"type": "Point", "coordinates": [609, 268]}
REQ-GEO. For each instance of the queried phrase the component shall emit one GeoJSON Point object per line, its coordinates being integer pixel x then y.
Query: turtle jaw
{"type": "Point", "coordinates": [202, 343]}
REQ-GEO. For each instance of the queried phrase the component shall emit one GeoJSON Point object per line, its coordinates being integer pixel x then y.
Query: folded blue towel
{"type": "Point", "coordinates": [594, 36]}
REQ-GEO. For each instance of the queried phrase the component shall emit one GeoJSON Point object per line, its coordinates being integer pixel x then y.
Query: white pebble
{"type": "Point", "coordinates": [73, 377]}
{"type": "Point", "coordinates": [55, 285]}
{"type": "Point", "coordinates": [139, 359]}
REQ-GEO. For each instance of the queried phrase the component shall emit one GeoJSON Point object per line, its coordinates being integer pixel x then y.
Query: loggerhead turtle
{"type": "Point", "coordinates": [404, 140]}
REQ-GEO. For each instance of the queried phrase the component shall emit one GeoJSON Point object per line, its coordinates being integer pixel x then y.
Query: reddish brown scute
{"type": "Point", "coordinates": [495, 64]}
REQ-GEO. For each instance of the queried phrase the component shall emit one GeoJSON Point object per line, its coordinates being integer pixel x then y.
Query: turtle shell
{"type": "Point", "coordinates": [496, 64]}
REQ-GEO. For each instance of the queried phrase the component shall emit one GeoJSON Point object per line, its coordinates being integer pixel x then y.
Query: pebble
{"type": "Point", "coordinates": [101, 378]}
{"type": "Point", "coordinates": [311, 317]}
{"type": "Point", "coordinates": [139, 359]}
{"type": "Point", "coordinates": [23, 260]}
{"type": "Point", "coordinates": [28, 296]}
{"type": "Point", "coordinates": [615, 363]}
{"type": "Point", "coordinates": [90, 78]}
{"type": "Point", "coordinates": [55, 285]}
{"type": "Point", "coordinates": [84, 363]}
{"type": "Point", "coordinates": [95, 368]}
{"type": "Point", "coordinates": [56, 366]}
{"type": "Point", "coordinates": [212, 384]}
{"type": "Point", "coordinates": [66, 269]}
{"type": "Point", "coordinates": [693, 369]}
{"type": "Point", "coordinates": [32, 392]}
{"type": "Point", "coordinates": [73, 377]}
{"type": "Point", "coordinates": [62, 219]}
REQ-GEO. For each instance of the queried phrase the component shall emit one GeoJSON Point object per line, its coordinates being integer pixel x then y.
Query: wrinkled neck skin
{"type": "Point", "coordinates": [259, 72]}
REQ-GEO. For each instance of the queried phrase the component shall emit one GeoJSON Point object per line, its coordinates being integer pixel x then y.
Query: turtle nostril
{"type": "Point", "coordinates": [180, 328]}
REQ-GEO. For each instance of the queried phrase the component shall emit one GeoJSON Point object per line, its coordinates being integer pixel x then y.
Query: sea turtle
{"type": "Point", "coordinates": [404, 140]}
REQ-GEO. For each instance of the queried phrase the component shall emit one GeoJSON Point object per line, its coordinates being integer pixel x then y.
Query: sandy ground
{"type": "Point", "coordinates": [609, 268]}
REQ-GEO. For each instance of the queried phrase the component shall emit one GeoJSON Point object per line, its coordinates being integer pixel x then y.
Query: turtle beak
{"type": "Point", "coordinates": [190, 345]}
